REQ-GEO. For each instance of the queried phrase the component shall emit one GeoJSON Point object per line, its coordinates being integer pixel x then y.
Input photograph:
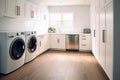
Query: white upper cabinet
{"type": "Point", "coordinates": [102, 3]}
{"type": "Point", "coordinates": [38, 13]}
{"type": "Point", "coordinates": [12, 8]}
{"type": "Point", "coordinates": [19, 8]}
{"type": "Point", "coordinates": [108, 1]}
{"type": "Point", "coordinates": [27, 10]}
{"type": "Point", "coordinates": [2, 7]}
{"type": "Point", "coordinates": [32, 11]}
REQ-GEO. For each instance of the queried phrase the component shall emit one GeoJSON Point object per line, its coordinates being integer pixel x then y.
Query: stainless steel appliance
{"type": "Point", "coordinates": [72, 42]}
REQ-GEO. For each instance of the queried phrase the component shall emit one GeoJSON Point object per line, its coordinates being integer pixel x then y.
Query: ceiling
{"type": "Point", "coordinates": [63, 2]}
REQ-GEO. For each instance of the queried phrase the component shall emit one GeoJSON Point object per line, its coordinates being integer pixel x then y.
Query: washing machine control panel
{"type": "Point", "coordinates": [14, 34]}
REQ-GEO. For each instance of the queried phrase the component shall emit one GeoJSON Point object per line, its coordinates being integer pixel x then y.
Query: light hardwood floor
{"type": "Point", "coordinates": [59, 65]}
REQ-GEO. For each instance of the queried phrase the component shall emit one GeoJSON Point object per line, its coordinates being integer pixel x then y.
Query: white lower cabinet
{"type": "Point", "coordinates": [42, 43]}
{"type": "Point", "coordinates": [57, 41]}
{"type": "Point", "coordinates": [85, 42]}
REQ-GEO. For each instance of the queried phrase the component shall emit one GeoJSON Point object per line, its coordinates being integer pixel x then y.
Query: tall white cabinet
{"type": "Point", "coordinates": [95, 28]}
{"type": "Point", "coordinates": [109, 40]}
{"type": "Point", "coordinates": [104, 39]}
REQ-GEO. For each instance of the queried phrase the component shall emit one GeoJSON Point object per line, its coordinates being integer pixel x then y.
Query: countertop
{"type": "Point", "coordinates": [60, 33]}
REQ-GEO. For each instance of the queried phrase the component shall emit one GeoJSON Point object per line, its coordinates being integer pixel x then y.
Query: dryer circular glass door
{"type": "Point", "coordinates": [32, 44]}
{"type": "Point", "coordinates": [17, 48]}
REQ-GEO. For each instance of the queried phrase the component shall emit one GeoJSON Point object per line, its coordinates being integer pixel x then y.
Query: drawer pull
{"type": "Point", "coordinates": [104, 36]}
{"type": "Point", "coordinates": [58, 40]}
{"type": "Point", "coordinates": [83, 38]}
{"type": "Point", "coordinates": [40, 43]}
{"type": "Point", "coordinates": [94, 33]}
{"type": "Point", "coordinates": [83, 44]}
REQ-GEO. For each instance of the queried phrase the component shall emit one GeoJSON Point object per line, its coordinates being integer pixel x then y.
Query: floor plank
{"type": "Point", "coordinates": [59, 65]}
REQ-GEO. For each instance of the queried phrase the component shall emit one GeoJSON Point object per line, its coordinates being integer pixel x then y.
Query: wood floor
{"type": "Point", "coordinates": [59, 65]}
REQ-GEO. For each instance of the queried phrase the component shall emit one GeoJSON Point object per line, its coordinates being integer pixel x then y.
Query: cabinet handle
{"type": "Point", "coordinates": [58, 41]}
{"type": "Point", "coordinates": [83, 38]}
{"type": "Point", "coordinates": [94, 33]}
{"type": "Point", "coordinates": [18, 10]}
{"type": "Point", "coordinates": [32, 14]}
{"type": "Point", "coordinates": [103, 35]}
{"type": "Point", "coordinates": [44, 17]}
{"type": "Point", "coordinates": [40, 43]}
{"type": "Point", "coordinates": [83, 44]}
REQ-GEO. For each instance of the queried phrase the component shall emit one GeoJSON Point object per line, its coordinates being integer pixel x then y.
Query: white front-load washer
{"type": "Point", "coordinates": [31, 45]}
{"type": "Point", "coordinates": [12, 51]}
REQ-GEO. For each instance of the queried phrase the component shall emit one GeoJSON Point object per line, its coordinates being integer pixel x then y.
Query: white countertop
{"type": "Point", "coordinates": [59, 33]}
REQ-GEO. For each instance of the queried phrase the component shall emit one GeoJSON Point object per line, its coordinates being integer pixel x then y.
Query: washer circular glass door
{"type": "Point", "coordinates": [17, 48]}
{"type": "Point", "coordinates": [32, 44]}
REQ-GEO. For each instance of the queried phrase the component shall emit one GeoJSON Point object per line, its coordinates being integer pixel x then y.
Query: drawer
{"type": "Point", "coordinates": [84, 47]}
{"type": "Point", "coordinates": [83, 38]}
{"type": "Point", "coordinates": [84, 42]}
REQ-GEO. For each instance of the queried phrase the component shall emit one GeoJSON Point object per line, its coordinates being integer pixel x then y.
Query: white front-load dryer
{"type": "Point", "coordinates": [31, 46]}
{"type": "Point", "coordinates": [12, 51]}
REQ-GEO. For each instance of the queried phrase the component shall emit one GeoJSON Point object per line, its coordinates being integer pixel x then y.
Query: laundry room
{"type": "Point", "coordinates": [59, 39]}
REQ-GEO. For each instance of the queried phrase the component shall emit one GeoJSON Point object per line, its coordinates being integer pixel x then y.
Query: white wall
{"type": "Point", "coordinates": [15, 24]}
{"type": "Point", "coordinates": [81, 15]}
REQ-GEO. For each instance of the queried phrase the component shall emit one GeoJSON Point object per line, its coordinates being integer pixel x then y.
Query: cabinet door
{"type": "Point", "coordinates": [93, 26]}
{"type": "Point", "coordinates": [19, 8]}
{"type": "Point", "coordinates": [46, 43]}
{"type": "Point", "coordinates": [43, 43]}
{"type": "Point", "coordinates": [30, 10]}
{"type": "Point", "coordinates": [109, 40]}
{"type": "Point", "coordinates": [107, 1]}
{"type": "Point", "coordinates": [27, 10]}
{"type": "Point", "coordinates": [33, 11]}
{"type": "Point", "coordinates": [61, 41]}
{"type": "Point", "coordinates": [57, 41]}
{"type": "Point", "coordinates": [10, 8]}
{"type": "Point", "coordinates": [102, 4]}
{"type": "Point", "coordinates": [97, 33]}
{"type": "Point", "coordinates": [102, 38]}
{"type": "Point", "coordinates": [2, 7]}
{"type": "Point", "coordinates": [38, 13]}
{"type": "Point", "coordinates": [54, 41]}
{"type": "Point", "coordinates": [38, 45]}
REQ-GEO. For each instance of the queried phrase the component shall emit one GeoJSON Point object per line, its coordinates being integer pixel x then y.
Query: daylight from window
{"type": "Point", "coordinates": [63, 22]}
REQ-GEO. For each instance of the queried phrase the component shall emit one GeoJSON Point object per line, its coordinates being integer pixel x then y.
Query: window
{"type": "Point", "coordinates": [62, 21]}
